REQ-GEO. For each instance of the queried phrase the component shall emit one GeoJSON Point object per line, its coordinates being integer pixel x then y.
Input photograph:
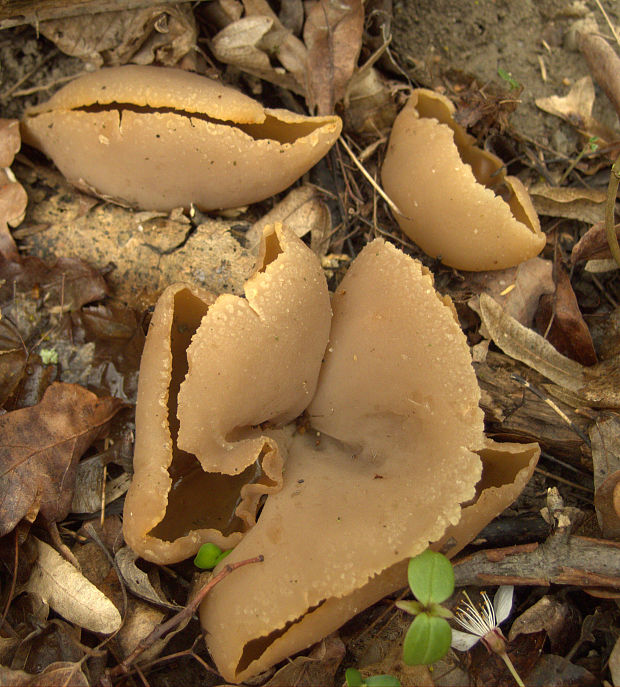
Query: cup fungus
{"type": "Point", "coordinates": [456, 202]}
{"type": "Point", "coordinates": [392, 400]}
{"type": "Point", "coordinates": [159, 138]}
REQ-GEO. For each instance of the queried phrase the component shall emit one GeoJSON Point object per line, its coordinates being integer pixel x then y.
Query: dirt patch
{"type": "Point", "coordinates": [529, 40]}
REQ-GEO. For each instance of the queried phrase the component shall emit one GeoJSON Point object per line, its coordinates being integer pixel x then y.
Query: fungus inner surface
{"type": "Point", "coordinates": [188, 509]}
{"type": "Point", "coordinates": [271, 128]}
{"type": "Point", "coordinates": [487, 169]}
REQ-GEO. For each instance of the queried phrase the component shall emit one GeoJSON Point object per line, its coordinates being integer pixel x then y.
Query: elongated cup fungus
{"type": "Point", "coordinates": [387, 458]}
{"type": "Point", "coordinates": [455, 200]}
{"type": "Point", "coordinates": [159, 138]}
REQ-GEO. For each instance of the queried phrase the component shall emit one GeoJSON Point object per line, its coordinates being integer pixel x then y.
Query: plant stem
{"type": "Point", "coordinates": [512, 669]}
{"type": "Point", "coordinates": [610, 207]}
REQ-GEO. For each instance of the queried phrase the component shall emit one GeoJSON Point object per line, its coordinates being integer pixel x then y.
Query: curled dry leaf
{"type": "Point", "coordinates": [39, 450]}
{"type": "Point", "coordinates": [162, 33]}
{"type": "Point", "coordinates": [59, 673]}
{"type": "Point", "coordinates": [249, 43]}
{"type": "Point", "coordinates": [568, 332]}
{"type": "Point", "coordinates": [583, 204]}
{"type": "Point", "coordinates": [160, 138]}
{"type": "Point", "coordinates": [597, 386]}
{"type": "Point", "coordinates": [517, 289]}
{"type": "Point", "coordinates": [380, 398]}
{"type": "Point", "coordinates": [576, 109]}
{"type": "Point", "coordinates": [13, 199]}
{"type": "Point", "coordinates": [303, 210]}
{"type": "Point", "coordinates": [138, 581]}
{"type": "Point", "coordinates": [450, 193]}
{"type": "Point", "coordinates": [70, 594]}
{"type": "Point", "coordinates": [604, 64]}
{"type": "Point", "coordinates": [593, 245]}
{"type": "Point", "coordinates": [333, 36]}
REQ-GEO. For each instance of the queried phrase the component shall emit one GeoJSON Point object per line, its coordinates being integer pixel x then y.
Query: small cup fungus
{"type": "Point", "coordinates": [380, 467]}
{"type": "Point", "coordinates": [456, 202]}
{"type": "Point", "coordinates": [159, 138]}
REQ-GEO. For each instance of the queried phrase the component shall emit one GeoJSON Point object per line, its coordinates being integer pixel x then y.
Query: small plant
{"type": "Point", "coordinates": [209, 555]}
{"type": "Point", "coordinates": [354, 678]}
{"type": "Point", "coordinates": [431, 579]}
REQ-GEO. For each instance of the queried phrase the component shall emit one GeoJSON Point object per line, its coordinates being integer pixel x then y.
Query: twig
{"type": "Point", "coordinates": [13, 579]}
{"type": "Point", "coordinates": [370, 180]}
{"type": "Point", "coordinates": [609, 23]}
{"type": "Point", "coordinates": [179, 617]}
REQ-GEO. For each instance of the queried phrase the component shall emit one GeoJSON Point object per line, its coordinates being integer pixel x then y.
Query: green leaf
{"type": "Point", "coordinates": [382, 681]}
{"type": "Point", "coordinates": [207, 556]}
{"type": "Point", "coordinates": [431, 577]}
{"type": "Point", "coordinates": [222, 556]}
{"type": "Point", "coordinates": [427, 640]}
{"type": "Point", "coordinates": [353, 677]}
{"type": "Point", "coordinates": [413, 607]}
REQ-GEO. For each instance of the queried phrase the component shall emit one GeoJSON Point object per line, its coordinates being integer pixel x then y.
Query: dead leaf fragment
{"type": "Point", "coordinates": [60, 673]}
{"type": "Point", "coordinates": [604, 64]}
{"type": "Point", "coordinates": [597, 386]}
{"type": "Point", "coordinates": [70, 594]}
{"type": "Point", "coordinates": [137, 580]}
{"type": "Point", "coordinates": [559, 316]}
{"type": "Point", "coordinates": [614, 663]}
{"type": "Point", "coordinates": [583, 204]}
{"type": "Point", "coordinates": [593, 245]}
{"type": "Point", "coordinates": [556, 617]}
{"type": "Point", "coordinates": [333, 36]}
{"type": "Point", "coordinates": [162, 33]}
{"type": "Point", "coordinates": [10, 141]}
{"type": "Point", "coordinates": [40, 447]}
{"type": "Point", "coordinates": [576, 109]}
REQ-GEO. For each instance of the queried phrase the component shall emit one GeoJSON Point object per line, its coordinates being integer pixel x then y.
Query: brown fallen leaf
{"type": "Point", "coordinates": [39, 450]}
{"type": "Point", "coordinates": [517, 289]}
{"type": "Point", "coordinates": [597, 386]}
{"type": "Point", "coordinates": [593, 245]}
{"type": "Point", "coordinates": [557, 617]}
{"type": "Point", "coordinates": [66, 674]}
{"type": "Point", "coordinates": [333, 36]}
{"type": "Point", "coordinates": [70, 594]}
{"type": "Point", "coordinates": [13, 357]}
{"type": "Point", "coordinates": [583, 204]}
{"type": "Point", "coordinates": [163, 32]}
{"type": "Point", "coordinates": [13, 199]}
{"type": "Point", "coordinates": [614, 663]}
{"type": "Point", "coordinates": [317, 668]}
{"type": "Point", "coordinates": [560, 318]}
{"type": "Point", "coordinates": [576, 109]}
{"type": "Point", "coordinates": [604, 64]}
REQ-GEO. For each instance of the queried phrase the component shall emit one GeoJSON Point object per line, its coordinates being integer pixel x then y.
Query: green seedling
{"type": "Point", "coordinates": [431, 578]}
{"type": "Point", "coordinates": [509, 79]}
{"type": "Point", "coordinates": [354, 678]}
{"type": "Point", "coordinates": [209, 555]}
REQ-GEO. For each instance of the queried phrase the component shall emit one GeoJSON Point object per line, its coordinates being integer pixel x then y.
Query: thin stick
{"type": "Point", "coordinates": [610, 206]}
{"type": "Point", "coordinates": [370, 180]}
{"type": "Point", "coordinates": [179, 617]}
{"type": "Point", "coordinates": [611, 26]}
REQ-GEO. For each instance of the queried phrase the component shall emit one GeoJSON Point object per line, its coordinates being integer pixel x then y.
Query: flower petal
{"type": "Point", "coordinates": [463, 641]}
{"type": "Point", "coordinates": [503, 603]}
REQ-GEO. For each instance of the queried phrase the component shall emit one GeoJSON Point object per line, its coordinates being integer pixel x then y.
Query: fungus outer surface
{"type": "Point", "coordinates": [159, 138]}
{"type": "Point", "coordinates": [451, 193]}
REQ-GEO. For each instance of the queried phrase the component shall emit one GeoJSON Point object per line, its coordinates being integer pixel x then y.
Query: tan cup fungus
{"type": "Point", "coordinates": [159, 138]}
{"type": "Point", "coordinates": [455, 201]}
{"type": "Point", "coordinates": [378, 469]}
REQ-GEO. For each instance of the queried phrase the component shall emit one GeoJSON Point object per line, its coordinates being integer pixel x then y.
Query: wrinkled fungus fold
{"type": "Point", "coordinates": [388, 462]}
{"type": "Point", "coordinates": [160, 138]}
{"type": "Point", "coordinates": [455, 199]}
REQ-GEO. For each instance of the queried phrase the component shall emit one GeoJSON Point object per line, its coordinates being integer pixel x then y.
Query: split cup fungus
{"type": "Point", "coordinates": [378, 468]}
{"type": "Point", "coordinates": [159, 138]}
{"type": "Point", "coordinates": [454, 199]}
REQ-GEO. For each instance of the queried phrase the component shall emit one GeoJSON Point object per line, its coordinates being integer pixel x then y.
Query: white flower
{"type": "Point", "coordinates": [482, 623]}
